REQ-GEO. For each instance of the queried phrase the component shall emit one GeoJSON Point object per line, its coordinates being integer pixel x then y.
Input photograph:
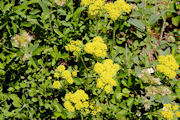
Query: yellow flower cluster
{"type": "Point", "coordinates": [95, 7]}
{"type": "Point", "coordinates": [117, 8]}
{"type": "Point", "coordinates": [56, 84]}
{"type": "Point", "coordinates": [97, 47]}
{"type": "Point", "coordinates": [167, 65]}
{"type": "Point", "coordinates": [61, 68]}
{"type": "Point", "coordinates": [94, 109]}
{"type": "Point", "coordinates": [77, 101]}
{"type": "Point", "coordinates": [86, 2]}
{"type": "Point", "coordinates": [168, 111]}
{"type": "Point", "coordinates": [113, 9]}
{"type": "Point", "coordinates": [74, 47]}
{"type": "Point", "coordinates": [106, 71]}
{"type": "Point", "coordinates": [66, 74]}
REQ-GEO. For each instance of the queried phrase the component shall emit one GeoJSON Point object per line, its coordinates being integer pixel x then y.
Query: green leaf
{"type": "Point", "coordinates": [176, 20]}
{"type": "Point", "coordinates": [77, 13]}
{"type": "Point", "coordinates": [154, 18]}
{"type": "Point", "coordinates": [59, 33]}
{"type": "Point", "coordinates": [137, 23]}
{"type": "Point", "coordinates": [58, 107]}
{"type": "Point", "coordinates": [130, 102]}
{"type": "Point", "coordinates": [3, 24]}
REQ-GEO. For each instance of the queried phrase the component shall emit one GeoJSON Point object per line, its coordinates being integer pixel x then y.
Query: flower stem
{"type": "Point", "coordinates": [84, 66]}
{"type": "Point", "coordinates": [112, 45]}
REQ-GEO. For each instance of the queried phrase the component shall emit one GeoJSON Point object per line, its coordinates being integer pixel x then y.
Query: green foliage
{"type": "Point", "coordinates": [27, 72]}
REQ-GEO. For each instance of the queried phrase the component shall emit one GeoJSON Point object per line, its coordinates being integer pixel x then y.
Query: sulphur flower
{"type": "Point", "coordinates": [68, 105]}
{"type": "Point", "coordinates": [74, 73]}
{"type": "Point", "coordinates": [167, 65]}
{"type": "Point", "coordinates": [70, 80]}
{"type": "Point", "coordinates": [87, 111]}
{"type": "Point", "coordinates": [108, 89]}
{"type": "Point", "coordinates": [56, 75]}
{"type": "Point", "coordinates": [86, 104]}
{"type": "Point", "coordinates": [178, 113]}
{"type": "Point", "coordinates": [61, 68]}
{"type": "Point", "coordinates": [175, 107]}
{"type": "Point", "coordinates": [56, 84]}
{"type": "Point", "coordinates": [94, 112]}
{"type": "Point", "coordinates": [97, 47]}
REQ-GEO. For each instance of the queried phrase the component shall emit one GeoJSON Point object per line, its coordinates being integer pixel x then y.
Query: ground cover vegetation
{"type": "Point", "coordinates": [89, 59]}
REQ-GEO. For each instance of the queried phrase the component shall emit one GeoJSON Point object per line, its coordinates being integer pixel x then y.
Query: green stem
{"type": "Point", "coordinates": [84, 65]}
{"type": "Point", "coordinates": [112, 45]}
{"type": "Point", "coordinates": [97, 26]}
{"type": "Point", "coordinates": [81, 117]}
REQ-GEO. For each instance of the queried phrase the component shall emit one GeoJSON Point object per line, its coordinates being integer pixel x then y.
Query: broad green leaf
{"type": "Point", "coordinates": [137, 23]}
{"type": "Point", "coordinates": [176, 20]}
{"type": "Point", "coordinates": [130, 101]}
{"type": "Point", "coordinates": [3, 24]}
{"type": "Point", "coordinates": [77, 13]}
{"type": "Point", "coordinates": [59, 33]}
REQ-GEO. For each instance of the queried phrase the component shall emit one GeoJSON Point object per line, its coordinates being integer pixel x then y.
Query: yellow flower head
{"type": "Point", "coordinates": [66, 74]}
{"type": "Point", "coordinates": [97, 47]}
{"type": "Point", "coordinates": [177, 114]}
{"type": "Point", "coordinates": [68, 105]}
{"type": "Point", "coordinates": [56, 84]}
{"type": "Point", "coordinates": [175, 107]}
{"type": "Point", "coordinates": [87, 111]}
{"type": "Point", "coordinates": [99, 109]}
{"type": "Point", "coordinates": [108, 89]}
{"type": "Point", "coordinates": [56, 75]}
{"type": "Point", "coordinates": [74, 73]}
{"type": "Point", "coordinates": [86, 104]}
{"type": "Point", "coordinates": [86, 2]}
{"type": "Point", "coordinates": [168, 106]}
{"type": "Point", "coordinates": [74, 46]}
{"type": "Point", "coordinates": [79, 98]}
{"type": "Point", "coordinates": [70, 80]}
{"type": "Point", "coordinates": [61, 68]}
{"type": "Point", "coordinates": [94, 112]}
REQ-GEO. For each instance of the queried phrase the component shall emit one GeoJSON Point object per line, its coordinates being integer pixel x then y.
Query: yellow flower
{"type": "Point", "coordinates": [56, 84]}
{"type": "Point", "coordinates": [56, 75]}
{"type": "Point", "coordinates": [68, 106]}
{"type": "Point", "coordinates": [85, 104]}
{"type": "Point", "coordinates": [70, 80]}
{"type": "Point", "coordinates": [78, 42]}
{"type": "Point", "coordinates": [79, 105]}
{"type": "Point", "coordinates": [98, 39]}
{"type": "Point", "coordinates": [66, 74]}
{"type": "Point", "coordinates": [78, 98]}
{"type": "Point", "coordinates": [91, 106]}
{"type": "Point", "coordinates": [68, 96]}
{"type": "Point", "coordinates": [87, 111]}
{"type": "Point", "coordinates": [99, 109]}
{"type": "Point", "coordinates": [108, 89]}
{"type": "Point", "coordinates": [175, 107]}
{"type": "Point", "coordinates": [117, 8]}
{"type": "Point", "coordinates": [61, 68]}
{"type": "Point", "coordinates": [94, 112]}
{"type": "Point", "coordinates": [74, 73]}
{"type": "Point", "coordinates": [178, 113]}
{"type": "Point", "coordinates": [167, 65]}
{"type": "Point", "coordinates": [74, 47]}
{"type": "Point", "coordinates": [75, 53]}
{"type": "Point", "coordinates": [98, 68]}
{"type": "Point", "coordinates": [168, 106]}
{"type": "Point", "coordinates": [86, 2]}
{"type": "Point", "coordinates": [97, 47]}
